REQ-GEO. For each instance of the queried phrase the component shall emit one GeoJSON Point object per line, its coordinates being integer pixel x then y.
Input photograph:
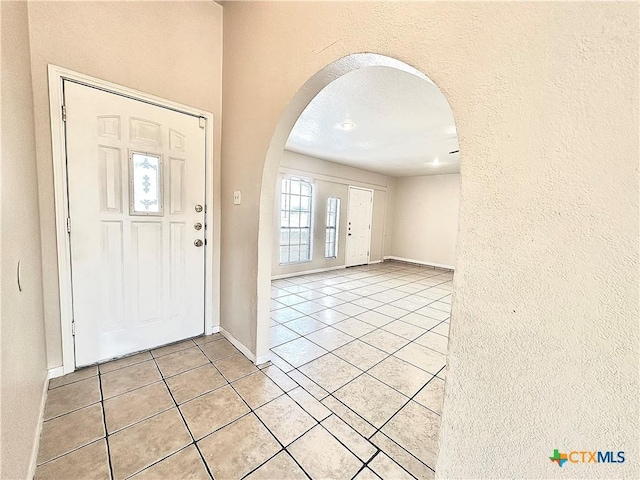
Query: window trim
{"type": "Point", "coordinates": [311, 219]}
{"type": "Point", "coordinates": [335, 228]}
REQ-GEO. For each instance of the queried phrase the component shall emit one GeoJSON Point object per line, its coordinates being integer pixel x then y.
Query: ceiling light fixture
{"type": "Point", "coordinates": [436, 162]}
{"type": "Point", "coordinates": [347, 125]}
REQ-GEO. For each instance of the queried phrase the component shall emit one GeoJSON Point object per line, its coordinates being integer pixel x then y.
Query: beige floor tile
{"type": "Point", "coordinates": [129, 378]}
{"type": "Point", "coordinates": [351, 439]}
{"type": "Point", "coordinates": [290, 300]}
{"type": "Point", "coordinates": [420, 321]}
{"type": "Point", "coordinates": [280, 334]}
{"type": "Point", "coordinates": [402, 457]}
{"type": "Point", "coordinates": [367, 303]}
{"type": "Point", "coordinates": [172, 348]}
{"type": "Point", "coordinates": [387, 468]}
{"type": "Point", "coordinates": [361, 354]}
{"type": "Point", "coordinates": [323, 457]}
{"type": "Point", "coordinates": [299, 351]}
{"type": "Point", "coordinates": [348, 416]}
{"type": "Point", "coordinates": [72, 396]}
{"type": "Point", "coordinates": [433, 313]}
{"type": "Point", "coordinates": [330, 372]}
{"type": "Point", "coordinates": [309, 385]}
{"type": "Point", "coordinates": [385, 341]}
{"type": "Point", "coordinates": [236, 449]}
{"type": "Point", "coordinates": [147, 442]}
{"type": "Point", "coordinates": [125, 362]}
{"type": "Point", "coordinates": [329, 338]}
{"type": "Point", "coordinates": [73, 377]}
{"type": "Point", "coordinates": [257, 389]}
{"type": "Point", "coordinates": [212, 411]}
{"type": "Point", "coordinates": [235, 366]}
{"type": "Point", "coordinates": [280, 363]}
{"type": "Point", "coordinates": [422, 357]}
{"type": "Point", "coordinates": [68, 432]}
{"type": "Point", "coordinates": [441, 329]}
{"type": "Point", "coordinates": [280, 467]}
{"type": "Point", "coordinates": [350, 309]}
{"type": "Point", "coordinates": [347, 296]}
{"type": "Point", "coordinates": [87, 463]}
{"type": "Point", "coordinates": [366, 474]}
{"type": "Point", "coordinates": [415, 428]}
{"type": "Point", "coordinates": [285, 419]}
{"type": "Point", "coordinates": [445, 307]}
{"type": "Point", "coordinates": [328, 302]}
{"type": "Point", "coordinates": [308, 307]}
{"type": "Point", "coordinates": [432, 395]}
{"type": "Point", "coordinates": [391, 311]}
{"type": "Point", "coordinates": [376, 319]}
{"type": "Point", "coordinates": [330, 316]}
{"type": "Point", "coordinates": [353, 327]}
{"type": "Point", "coordinates": [311, 405]}
{"type": "Point", "coordinates": [285, 314]}
{"type": "Point", "coordinates": [304, 325]}
{"type": "Point", "coordinates": [404, 330]}
{"type": "Point", "coordinates": [193, 383]}
{"type": "Point", "coordinates": [371, 399]}
{"type": "Point", "coordinates": [402, 376]}
{"type": "Point", "coordinates": [434, 342]}
{"type": "Point", "coordinates": [181, 361]}
{"type": "Point", "coordinates": [280, 378]}
{"type": "Point", "coordinates": [137, 405]}
{"type": "Point", "coordinates": [218, 349]}
{"type": "Point", "coordinates": [185, 464]}
{"type": "Point", "coordinates": [202, 339]}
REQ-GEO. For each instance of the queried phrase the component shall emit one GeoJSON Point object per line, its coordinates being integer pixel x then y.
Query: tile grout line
{"type": "Point", "coordinates": [104, 421]}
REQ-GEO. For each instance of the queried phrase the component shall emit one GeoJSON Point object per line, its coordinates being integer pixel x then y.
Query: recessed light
{"type": "Point", "coordinates": [347, 125]}
{"type": "Point", "coordinates": [436, 162]}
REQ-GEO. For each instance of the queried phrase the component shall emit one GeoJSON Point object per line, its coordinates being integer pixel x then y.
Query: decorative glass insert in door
{"type": "Point", "coordinates": [145, 184]}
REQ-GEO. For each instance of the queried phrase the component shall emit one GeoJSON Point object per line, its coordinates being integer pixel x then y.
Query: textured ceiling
{"type": "Point", "coordinates": [397, 124]}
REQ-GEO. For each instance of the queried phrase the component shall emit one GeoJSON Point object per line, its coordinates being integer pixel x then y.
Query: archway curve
{"type": "Point", "coordinates": [294, 109]}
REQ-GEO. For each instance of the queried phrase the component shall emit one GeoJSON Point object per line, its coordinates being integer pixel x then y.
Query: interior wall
{"type": "Point", "coordinates": [23, 365]}
{"type": "Point", "coordinates": [169, 49]}
{"type": "Point", "coordinates": [330, 180]}
{"type": "Point", "coordinates": [426, 219]}
{"type": "Point", "coordinates": [545, 97]}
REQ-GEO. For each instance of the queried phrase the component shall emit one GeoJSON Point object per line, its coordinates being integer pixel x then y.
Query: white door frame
{"type": "Point", "coordinates": [58, 146]}
{"type": "Point", "coordinates": [354, 187]}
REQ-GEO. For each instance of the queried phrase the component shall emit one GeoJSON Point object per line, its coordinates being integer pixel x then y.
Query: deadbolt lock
{"type": "Point", "coordinates": [198, 243]}
{"type": "Point", "coordinates": [198, 208]}
{"type": "Point", "coordinates": [197, 226]}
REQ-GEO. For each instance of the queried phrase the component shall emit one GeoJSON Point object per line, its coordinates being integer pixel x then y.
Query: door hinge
{"type": "Point", "coordinates": [73, 328]}
{"type": "Point", "coordinates": [203, 122]}
{"type": "Point", "coordinates": [64, 113]}
{"type": "Point", "coordinates": [68, 224]}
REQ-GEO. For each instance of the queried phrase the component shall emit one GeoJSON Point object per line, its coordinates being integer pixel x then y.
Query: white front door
{"type": "Point", "coordinates": [136, 183]}
{"type": "Point", "coordinates": [359, 226]}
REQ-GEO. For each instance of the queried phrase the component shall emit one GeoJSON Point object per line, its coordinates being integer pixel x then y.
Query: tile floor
{"type": "Point", "coordinates": [353, 390]}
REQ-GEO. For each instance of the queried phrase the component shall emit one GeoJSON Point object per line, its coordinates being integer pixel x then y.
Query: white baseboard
{"type": "Point", "coordinates": [55, 372]}
{"type": "Point", "coordinates": [375, 261]}
{"type": "Point", "coordinates": [33, 463]}
{"type": "Point", "coordinates": [419, 262]}
{"type": "Point", "coordinates": [236, 343]}
{"type": "Point", "coordinates": [306, 272]}
{"type": "Point", "coordinates": [262, 359]}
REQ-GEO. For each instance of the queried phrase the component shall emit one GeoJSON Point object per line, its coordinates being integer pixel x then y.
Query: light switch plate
{"type": "Point", "coordinates": [237, 197]}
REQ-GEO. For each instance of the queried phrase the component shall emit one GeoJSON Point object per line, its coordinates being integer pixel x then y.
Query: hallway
{"type": "Point", "coordinates": [353, 388]}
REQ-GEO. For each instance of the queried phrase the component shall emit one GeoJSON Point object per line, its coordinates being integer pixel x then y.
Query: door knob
{"type": "Point", "coordinates": [197, 225]}
{"type": "Point", "coordinates": [198, 208]}
{"type": "Point", "coordinates": [198, 243]}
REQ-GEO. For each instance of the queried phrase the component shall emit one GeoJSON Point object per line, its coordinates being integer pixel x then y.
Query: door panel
{"type": "Point", "coordinates": [135, 174]}
{"type": "Point", "coordinates": [359, 226]}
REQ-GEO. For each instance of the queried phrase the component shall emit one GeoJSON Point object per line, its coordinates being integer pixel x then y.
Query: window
{"type": "Point", "coordinates": [331, 236]}
{"type": "Point", "coordinates": [295, 220]}
{"type": "Point", "coordinates": [145, 185]}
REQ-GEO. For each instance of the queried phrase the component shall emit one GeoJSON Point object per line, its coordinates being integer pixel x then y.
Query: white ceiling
{"type": "Point", "coordinates": [401, 123]}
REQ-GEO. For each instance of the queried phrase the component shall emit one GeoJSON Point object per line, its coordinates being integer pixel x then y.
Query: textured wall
{"type": "Point", "coordinates": [426, 219]}
{"type": "Point", "coordinates": [169, 49]}
{"type": "Point", "coordinates": [23, 362]}
{"type": "Point", "coordinates": [544, 343]}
